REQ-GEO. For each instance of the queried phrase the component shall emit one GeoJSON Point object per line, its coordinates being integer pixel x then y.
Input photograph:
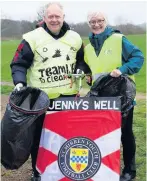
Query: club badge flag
{"type": "Point", "coordinates": [82, 142]}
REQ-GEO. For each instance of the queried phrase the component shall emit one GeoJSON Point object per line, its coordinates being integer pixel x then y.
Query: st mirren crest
{"type": "Point", "coordinates": [78, 159]}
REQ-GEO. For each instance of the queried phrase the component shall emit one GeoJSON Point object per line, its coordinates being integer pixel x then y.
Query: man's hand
{"type": "Point", "coordinates": [115, 73]}
{"type": "Point", "coordinates": [79, 71]}
{"type": "Point", "coordinates": [18, 86]}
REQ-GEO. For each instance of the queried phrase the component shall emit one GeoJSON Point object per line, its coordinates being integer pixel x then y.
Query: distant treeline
{"type": "Point", "coordinates": [11, 29]}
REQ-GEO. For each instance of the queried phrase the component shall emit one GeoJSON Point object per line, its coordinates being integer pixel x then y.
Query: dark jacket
{"type": "Point", "coordinates": [132, 57]}
{"type": "Point", "coordinates": [24, 56]}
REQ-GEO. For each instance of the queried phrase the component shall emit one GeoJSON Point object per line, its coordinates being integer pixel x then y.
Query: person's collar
{"type": "Point", "coordinates": [63, 30]}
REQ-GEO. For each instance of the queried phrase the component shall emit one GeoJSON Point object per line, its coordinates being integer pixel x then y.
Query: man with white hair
{"type": "Point", "coordinates": [48, 53]}
{"type": "Point", "coordinates": [110, 51]}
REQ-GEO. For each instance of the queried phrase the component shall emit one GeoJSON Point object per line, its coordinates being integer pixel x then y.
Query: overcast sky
{"type": "Point", "coordinates": [76, 11]}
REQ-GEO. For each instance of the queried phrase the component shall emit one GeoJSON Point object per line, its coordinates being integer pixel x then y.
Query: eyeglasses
{"type": "Point", "coordinates": [100, 21]}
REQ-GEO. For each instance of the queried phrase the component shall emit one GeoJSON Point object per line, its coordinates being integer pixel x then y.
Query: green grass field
{"type": "Point", "coordinates": [7, 52]}
{"type": "Point", "coordinates": [9, 48]}
{"type": "Point", "coordinates": [6, 89]}
{"type": "Point", "coordinates": [140, 136]}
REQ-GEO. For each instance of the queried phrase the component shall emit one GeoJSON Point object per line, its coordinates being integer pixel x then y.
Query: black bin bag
{"type": "Point", "coordinates": [108, 86]}
{"type": "Point", "coordinates": [17, 128]}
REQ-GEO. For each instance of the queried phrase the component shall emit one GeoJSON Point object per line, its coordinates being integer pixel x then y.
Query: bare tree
{"type": "Point", "coordinates": [4, 16]}
{"type": "Point", "coordinates": [120, 20]}
{"type": "Point", "coordinates": [41, 12]}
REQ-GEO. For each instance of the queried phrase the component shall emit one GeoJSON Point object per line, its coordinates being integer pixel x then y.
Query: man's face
{"type": "Point", "coordinates": [97, 24]}
{"type": "Point", "coordinates": [54, 18]}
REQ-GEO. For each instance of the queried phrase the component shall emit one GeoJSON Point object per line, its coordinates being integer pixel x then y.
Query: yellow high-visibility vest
{"type": "Point", "coordinates": [53, 59]}
{"type": "Point", "coordinates": [109, 58]}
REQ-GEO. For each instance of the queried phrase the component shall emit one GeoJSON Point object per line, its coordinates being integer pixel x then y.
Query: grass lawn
{"type": "Point", "coordinates": [6, 89]}
{"type": "Point", "coordinates": [7, 52]}
{"type": "Point", "coordinates": [140, 135]}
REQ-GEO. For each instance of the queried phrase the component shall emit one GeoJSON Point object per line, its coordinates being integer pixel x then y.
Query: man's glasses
{"type": "Point", "coordinates": [100, 21]}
